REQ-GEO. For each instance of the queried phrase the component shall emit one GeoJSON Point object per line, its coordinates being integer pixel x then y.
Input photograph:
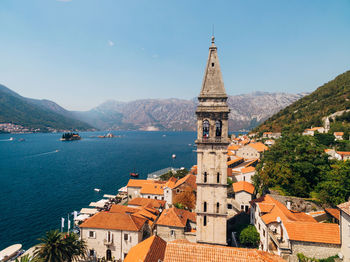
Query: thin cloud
{"type": "Point", "coordinates": [110, 43]}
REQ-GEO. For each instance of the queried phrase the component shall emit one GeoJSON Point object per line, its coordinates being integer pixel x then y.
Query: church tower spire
{"type": "Point", "coordinates": [212, 141]}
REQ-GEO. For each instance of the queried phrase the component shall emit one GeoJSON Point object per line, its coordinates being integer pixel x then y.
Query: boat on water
{"type": "Point", "coordinates": [109, 135]}
{"type": "Point", "coordinates": [10, 252]}
{"type": "Point", "coordinates": [11, 139]}
{"type": "Point", "coordinates": [97, 189]}
{"type": "Point", "coordinates": [70, 137]}
{"type": "Point", "coordinates": [21, 140]}
{"type": "Point", "coordinates": [133, 174]}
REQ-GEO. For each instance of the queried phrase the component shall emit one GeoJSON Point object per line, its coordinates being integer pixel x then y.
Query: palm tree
{"type": "Point", "coordinates": [58, 247]}
{"type": "Point", "coordinates": [51, 248]}
{"type": "Point", "coordinates": [76, 248]}
{"type": "Point", "coordinates": [27, 258]}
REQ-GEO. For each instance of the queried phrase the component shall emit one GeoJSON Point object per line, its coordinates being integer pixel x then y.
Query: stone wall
{"type": "Point", "coordinates": [345, 235]}
{"type": "Point", "coordinates": [133, 192]}
{"type": "Point", "coordinates": [165, 232]}
{"type": "Point", "coordinates": [314, 250]}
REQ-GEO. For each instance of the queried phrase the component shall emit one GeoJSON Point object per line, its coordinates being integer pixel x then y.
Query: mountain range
{"type": "Point", "coordinates": [247, 111]}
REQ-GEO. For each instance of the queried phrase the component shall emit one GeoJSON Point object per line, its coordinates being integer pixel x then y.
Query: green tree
{"type": "Point", "coordinates": [249, 237]}
{"type": "Point", "coordinates": [336, 188]}
{"type": "Point", "coordinates": [58, 247]}
{"type": "Point", "coordinates": [325, 139]}
{"type": "Point", "coordinates": [295, 164]}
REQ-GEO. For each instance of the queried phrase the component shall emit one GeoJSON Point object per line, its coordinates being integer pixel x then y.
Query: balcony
{"type": "Point", "coordinates": [108, 241]}
{"type": "Point", "coordinates": [277, 239]}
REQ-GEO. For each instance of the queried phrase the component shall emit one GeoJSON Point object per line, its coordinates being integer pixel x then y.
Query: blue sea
{"type": "Point", "coordinates": [43, 179]}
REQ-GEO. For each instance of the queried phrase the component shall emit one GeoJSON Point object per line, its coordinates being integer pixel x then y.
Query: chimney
{"type": "Point", "coordinates": [289, 204]}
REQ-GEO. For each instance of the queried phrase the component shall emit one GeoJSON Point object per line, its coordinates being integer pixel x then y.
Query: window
{"type": "Point", "coordinates": [212, 64]}
{"type": "Point", "coordinates": [264, 232]}
{"type": "Point", "coordinates": [162, 198]}
{"type": "Point", "coordinates": [205, 177]}
{"type": "Point", "coordinates": [259, 226]}
{"type": "Point", "coordinates": [149, 197]}
{"type": "Point", "coordinates": [172, 233]}
{"type": "Point", "coordinates": [204, 220]}
{"type": "Point", "coordinates": [205, 207]}
{"type": "Point", "coordinates": [242, 207]}
{"type": "Point", "coordinates": [92, 252]}
{"type": "Point", "coordinates": [178, 190]}
{"type": "Point", "coordinates": [155, 197]}
{"type": "Point", "coordinates": [91, 234]}
{"type": "Point", "coordinates": [229, 206]}
{"type": "Point", "coordinates": [218, 178]}
{"type": "Point", "coordinates": [217, 207]}
{"type": "Point", "coordinates": [126, 236]}
{"type": "Point", "coordinates": [218, 128]}
{"type": "Point", "coordinates": [243, 178]}
{"type": "Point", "coordinates": [205, 128]}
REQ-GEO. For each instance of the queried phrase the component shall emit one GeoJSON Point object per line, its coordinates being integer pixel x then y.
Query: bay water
{"type": "Point", "coordinates": [43, 179]}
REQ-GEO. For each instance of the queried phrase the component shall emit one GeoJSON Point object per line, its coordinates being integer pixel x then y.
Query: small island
{"type": "Point", "coordinates": [70, 137]}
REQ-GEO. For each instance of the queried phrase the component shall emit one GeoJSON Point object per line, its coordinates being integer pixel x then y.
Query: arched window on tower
{"type": "Point", "coordinates": [204, 220]}
{"type": "Point", "coordinates": [206, 129]}
{"type": "Point", "coordinates": [205, 177]}
{"type": "Point", "coordinates": [205, 207]}
{"type": "Point", "coordinates": [218, 128]}
{"type": "Point", "coordinates": [217, 207]}
{"type": "Point", "coordinates": [218, 177]}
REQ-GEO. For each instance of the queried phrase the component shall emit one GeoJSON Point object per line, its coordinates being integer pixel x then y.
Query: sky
{"type": "Point", "coordinates": [80, 53]}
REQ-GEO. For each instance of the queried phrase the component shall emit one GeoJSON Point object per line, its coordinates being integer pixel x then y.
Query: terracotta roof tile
{"type": "Point", "coordinates": [116, 221]}
{"type": "Point", "coordinates": [243, 186]}
{"type": "Point", "coordinates": [334, 212]}
{"type": "Point", "coordinates": [185, 251]}
{"type": "Point", "coordinates": [248, 169]}
{"type": "Point", "coordinates": [345, 207]}
{"type": "Point", "coordinates": [123, 209]}
{"type": "Point", "coordinates": [175, 217]}
{"type": "Point", "coordinates": [232, 161]}
{"type": "Point", "coordinates": [313, 232]}
{"type": "Point", "coordinates": [150, 250]}
{"type": "Point", "coordinates": [153, 189]}
{"type": "Point", "coordinates": [171, 182]}
{"type": "Point", "coordinates": [233, 147]}
{"type": "Point", "coordinates": [138, 182]}
{"type": "Point", "coordinates": [258, 146]}
{"type": "Point", "coordinates": [338, 133]}
{"type": "Point", "coordinates": [139, 201]}
{"type": "Point", "coordinates": [189, 180]}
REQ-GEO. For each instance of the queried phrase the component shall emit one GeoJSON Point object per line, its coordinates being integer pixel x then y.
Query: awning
{"type": "Point", "coordinates": [123, 190]}
{"type": "Point", "coordinates": [82, 217]}
{"type": "Point", "coordinates": [108, 196]}
{"type": "Point", "coordinates": [101, 203]}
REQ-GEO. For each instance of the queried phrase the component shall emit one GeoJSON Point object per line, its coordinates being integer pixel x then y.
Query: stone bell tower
{"type": "Point", "coordinates": [212, 141]}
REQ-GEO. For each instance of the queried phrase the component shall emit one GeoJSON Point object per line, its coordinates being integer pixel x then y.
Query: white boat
{"type": "Point", "coordinates": [11, 139]}
{"type": "Point", "coordinates": [173, 156]}
{"type": "Point", "coordinates": [9, 252]}
{"type": "Point", "coordinates": [97, 189]}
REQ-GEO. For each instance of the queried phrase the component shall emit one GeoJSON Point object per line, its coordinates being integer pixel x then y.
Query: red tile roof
{"type": "Point", "coordinates": [243, 186]}
{"type": "Point", "coordinates": [116, 221]}
{"type": "Point", "coordinates": [171, 182]}
{"type": "Point", "coordinates": [345, 207]}
{"type": "Point", "coordinates": [152, 189]}
{"type": "Point", "coordinates": [232, 161]}
{"type": "Point", "coordinates": [300, 226]}
{"type": "Point", "coordinates": [313, 232]}
{"type": "Point", "coordinates": [123, 209]}
{"type": "Point", "coordinates": [258, 146]}
{"type": "Point", "coordinates": [185, 251]}
{"type": "Point", "coordinates": [334, 212]}
{"type": "Point", "coordinates": [189, 180]}
{"type": "Point", "coordinates": [175, 217]}
{"type": "Point", "coordinates": [248, 169]}
{"type": "Point", "coordinates": [139, 201]}
{"type": "Point", "coordinates": [150, 250]}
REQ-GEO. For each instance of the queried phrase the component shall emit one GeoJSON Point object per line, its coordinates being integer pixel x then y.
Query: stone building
{"type": "Point", "coordinates": [243, 194]}
{"type": "Point", "coordinates": [252, 150]}
{"type": "Point", "coordinates": [145, 189]}
{"type": "Point", "coordinates": [286, 232]}
{"type": "Point", "coordinates": [111, 235]}
{"type": "Point", "coordinates": [212, 142]}
{"type": "Point", "coordinates": [177, 223]}
{"type": "Point", "coordinates": [345, 230]}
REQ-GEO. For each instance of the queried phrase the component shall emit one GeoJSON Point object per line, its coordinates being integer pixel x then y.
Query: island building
{"type": "Point", "coordinates": [212, 142]}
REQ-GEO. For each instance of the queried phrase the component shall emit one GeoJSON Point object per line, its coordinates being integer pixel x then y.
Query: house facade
{"type": "Point", "coordinates": [344, 223]}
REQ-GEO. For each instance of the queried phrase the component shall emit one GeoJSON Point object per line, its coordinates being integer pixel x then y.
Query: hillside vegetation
{"type": "Point", "coordinates": [28, 113]}
{"type": "Point", "coordinates": [308, 111]}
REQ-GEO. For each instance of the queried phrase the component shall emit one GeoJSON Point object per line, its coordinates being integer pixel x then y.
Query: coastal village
{"type": "Point", "coordinates": [174, 216]}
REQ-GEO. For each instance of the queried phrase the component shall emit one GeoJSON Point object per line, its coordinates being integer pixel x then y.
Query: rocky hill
{"type": "Point", "coordinates": [247, 111]}
{"type": "Point", "coordinates": [308, 111]}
